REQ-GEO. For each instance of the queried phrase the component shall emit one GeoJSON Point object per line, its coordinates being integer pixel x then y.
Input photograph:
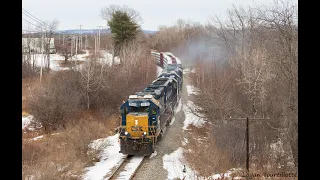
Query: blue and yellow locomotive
{"type": "Point", "coordinates": [145, 115]}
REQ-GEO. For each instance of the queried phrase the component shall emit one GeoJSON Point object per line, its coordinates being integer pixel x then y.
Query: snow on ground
{"type": "Point", "coordinates": [186, 71]}
{"type": "Point", "coordinates": [38, 137]}
{"type": "Point", "coordinates": [172, 120]}
{"type": "Point", "coordinates": [190, 117]}
{"type": "Point", "coordinates": [174, 163]}
{"type": "Point", "coordinates": [192, 90]}
{"type": "Point", "coordinates": [278, 151]}
{"type": "Point", "coordinates": [159, 70]}
{"type": "Point", "coordinates": [53, 61]}
{"type": "Point", "coordinates": [29, 123]}
{"type": "Point", "coordinates": [54, 58]}
{"type": "Point", "coordinates": [277, 147]}
{"type": "Point", "coordinates": [107, 58]}
{"type": "Point", "coordinates": [130, 167]}
{"type": "Point", "coordinates": [153, 154]}
{"type": "Point", "coordinates": [109, 158]}
{"type": "Point", "coordinates": [185, 142]}
{"type": "Point", "coordinates": [26, 121]}
{"type": "Point", "coordinates": [81, 57]}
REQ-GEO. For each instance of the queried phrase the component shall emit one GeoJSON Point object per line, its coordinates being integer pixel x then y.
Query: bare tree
{"type": "Point", "coordinates": [282, 20]}
{"type": "Point", "coordinates": [64, 48]}
{"type": "Point", "coordinates": [261, 44]}
{"type": "Point", "coordinates": [49, 29]}
{"type": "Point", "coordinates": [107, 12]}
{"type": "Point", "coordinates": [91, 77]}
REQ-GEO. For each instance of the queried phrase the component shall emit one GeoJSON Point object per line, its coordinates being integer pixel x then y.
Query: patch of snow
{"type": "Point", "coordinates": [81, 57]}
{"type": "Point", "coordinates": [130, 167]}
{"type": "Point", "coordinates": [38, 137]}
{"type": "Point", "coordinates": [96, 144]}
{"type": "Point", "coordinates": [278, 151]}
{"type": "Point", "coordinates": [109, 158]}
{"type": "Point", "coordinates": [185, 142]}
{"type": "Point", "coordinates": [172, 120]}
{"type": "Point", "coordinates": [193, 71]}
{"type": "Point", "coordinates": [192, 90]}
{"type": "Point", "coordinates": [38, 58]}
{"type": "Point", "coordinates": [277, 147]}
{"type": "Point", "coordinates": [186, 71]}
{"type": "Point", "coordinates": [26, 121]}
{"type": "Point", "coordinates": [227, 174]}
{"type": "Point", "coordinates": [153, 154]}
{"type": "Point", "coordinates": [107, 58]}
{"type": "Point", "coordinates": [174, 164]}
{"type": "Point", "coordinates": [190, 117]}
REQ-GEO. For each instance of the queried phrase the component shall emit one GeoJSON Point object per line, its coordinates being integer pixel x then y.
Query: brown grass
{"type": "Point", "coordinates": [69, 63]}
{"type": "Point", "coordinates": [28, 84]}
{"type": "Point", "coordinates": [58, 156]}
{"type": "Point", "coordinates": [65, 155]}
{"type": "Point", "coordinates": [207, 160]}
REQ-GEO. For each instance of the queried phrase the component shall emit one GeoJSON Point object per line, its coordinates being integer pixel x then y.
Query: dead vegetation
{"type": "Point", "coordinates": [80, 105]}
{"type": "Point", "coordinates": [62, 155]}
{"type": "Point", "coordinates": [256, 77]}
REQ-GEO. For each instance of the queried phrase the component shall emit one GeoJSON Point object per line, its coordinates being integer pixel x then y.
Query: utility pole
{"type": "Point", "coordinates": [77, 44]}
{"type": "Point", "coordinates": [99, 37]}
{"type": "Point", "coordinates": [63, 40]}
{"type": "Point", "coordinates": [42, 57]}
{"type": "Point", "coordinates": [71, 46]}
{"type": "Point", "coordinates": [80, 45]}
{"type": "Point", "coordinates": [77, 38]}
{"type": "Point", "coordinates": [247, 138]}
{"type": "Point", "coordinates": [85, 42]}
{"type": "Point", "coordinates": [95, 45]}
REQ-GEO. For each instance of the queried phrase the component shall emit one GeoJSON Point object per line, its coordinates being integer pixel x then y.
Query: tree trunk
{"type": "Point", "coordinates": [88, 101]}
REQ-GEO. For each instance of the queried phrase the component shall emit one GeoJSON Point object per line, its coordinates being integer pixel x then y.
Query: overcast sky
{"type": "Point", "coordinates": [72, 13]}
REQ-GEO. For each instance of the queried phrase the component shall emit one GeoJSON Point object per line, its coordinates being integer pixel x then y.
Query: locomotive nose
{"type": "Point", "coordinates": [137, 125]}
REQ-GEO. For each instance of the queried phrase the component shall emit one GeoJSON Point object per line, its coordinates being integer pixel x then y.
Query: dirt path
{"type": "Point", "coordinates": [152, 168]}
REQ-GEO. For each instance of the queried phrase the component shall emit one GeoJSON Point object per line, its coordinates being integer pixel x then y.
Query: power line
{"type": "Point", "coordinates": [28, 31]}
{"type": "Point", "coordinates": [32, 24]}
{"type": "Point", "coordinates": [34, 17]}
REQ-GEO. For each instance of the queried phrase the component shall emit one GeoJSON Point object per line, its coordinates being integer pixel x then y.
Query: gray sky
{"type": "Point", "coordinates": [72, 13]}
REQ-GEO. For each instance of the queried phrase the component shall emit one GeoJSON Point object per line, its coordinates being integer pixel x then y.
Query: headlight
{"type": "Point", "coordinates": [145, 133]}
{"type": "Point", "coordinates": [126, 133]}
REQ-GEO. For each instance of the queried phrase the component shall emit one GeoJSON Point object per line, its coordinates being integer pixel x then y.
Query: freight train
{"type": "Point", "coordinates": [166, 60]}
{"type": "Point", "coordinates": [146, 114]}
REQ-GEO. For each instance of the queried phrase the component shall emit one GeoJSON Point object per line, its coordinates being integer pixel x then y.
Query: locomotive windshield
{"type": "Point", "coordinates": [139, 109]}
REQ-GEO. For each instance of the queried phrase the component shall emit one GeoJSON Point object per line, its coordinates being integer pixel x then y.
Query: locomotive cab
{"type": "Point", "coordinates": [139, 120]}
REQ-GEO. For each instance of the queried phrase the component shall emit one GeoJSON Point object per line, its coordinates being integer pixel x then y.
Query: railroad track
{"type": "Point", "coordinates": [126, 169]}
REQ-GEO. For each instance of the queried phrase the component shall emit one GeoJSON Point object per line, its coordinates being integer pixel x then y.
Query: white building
{"type": "Point", "coordinates": [34, 45]}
